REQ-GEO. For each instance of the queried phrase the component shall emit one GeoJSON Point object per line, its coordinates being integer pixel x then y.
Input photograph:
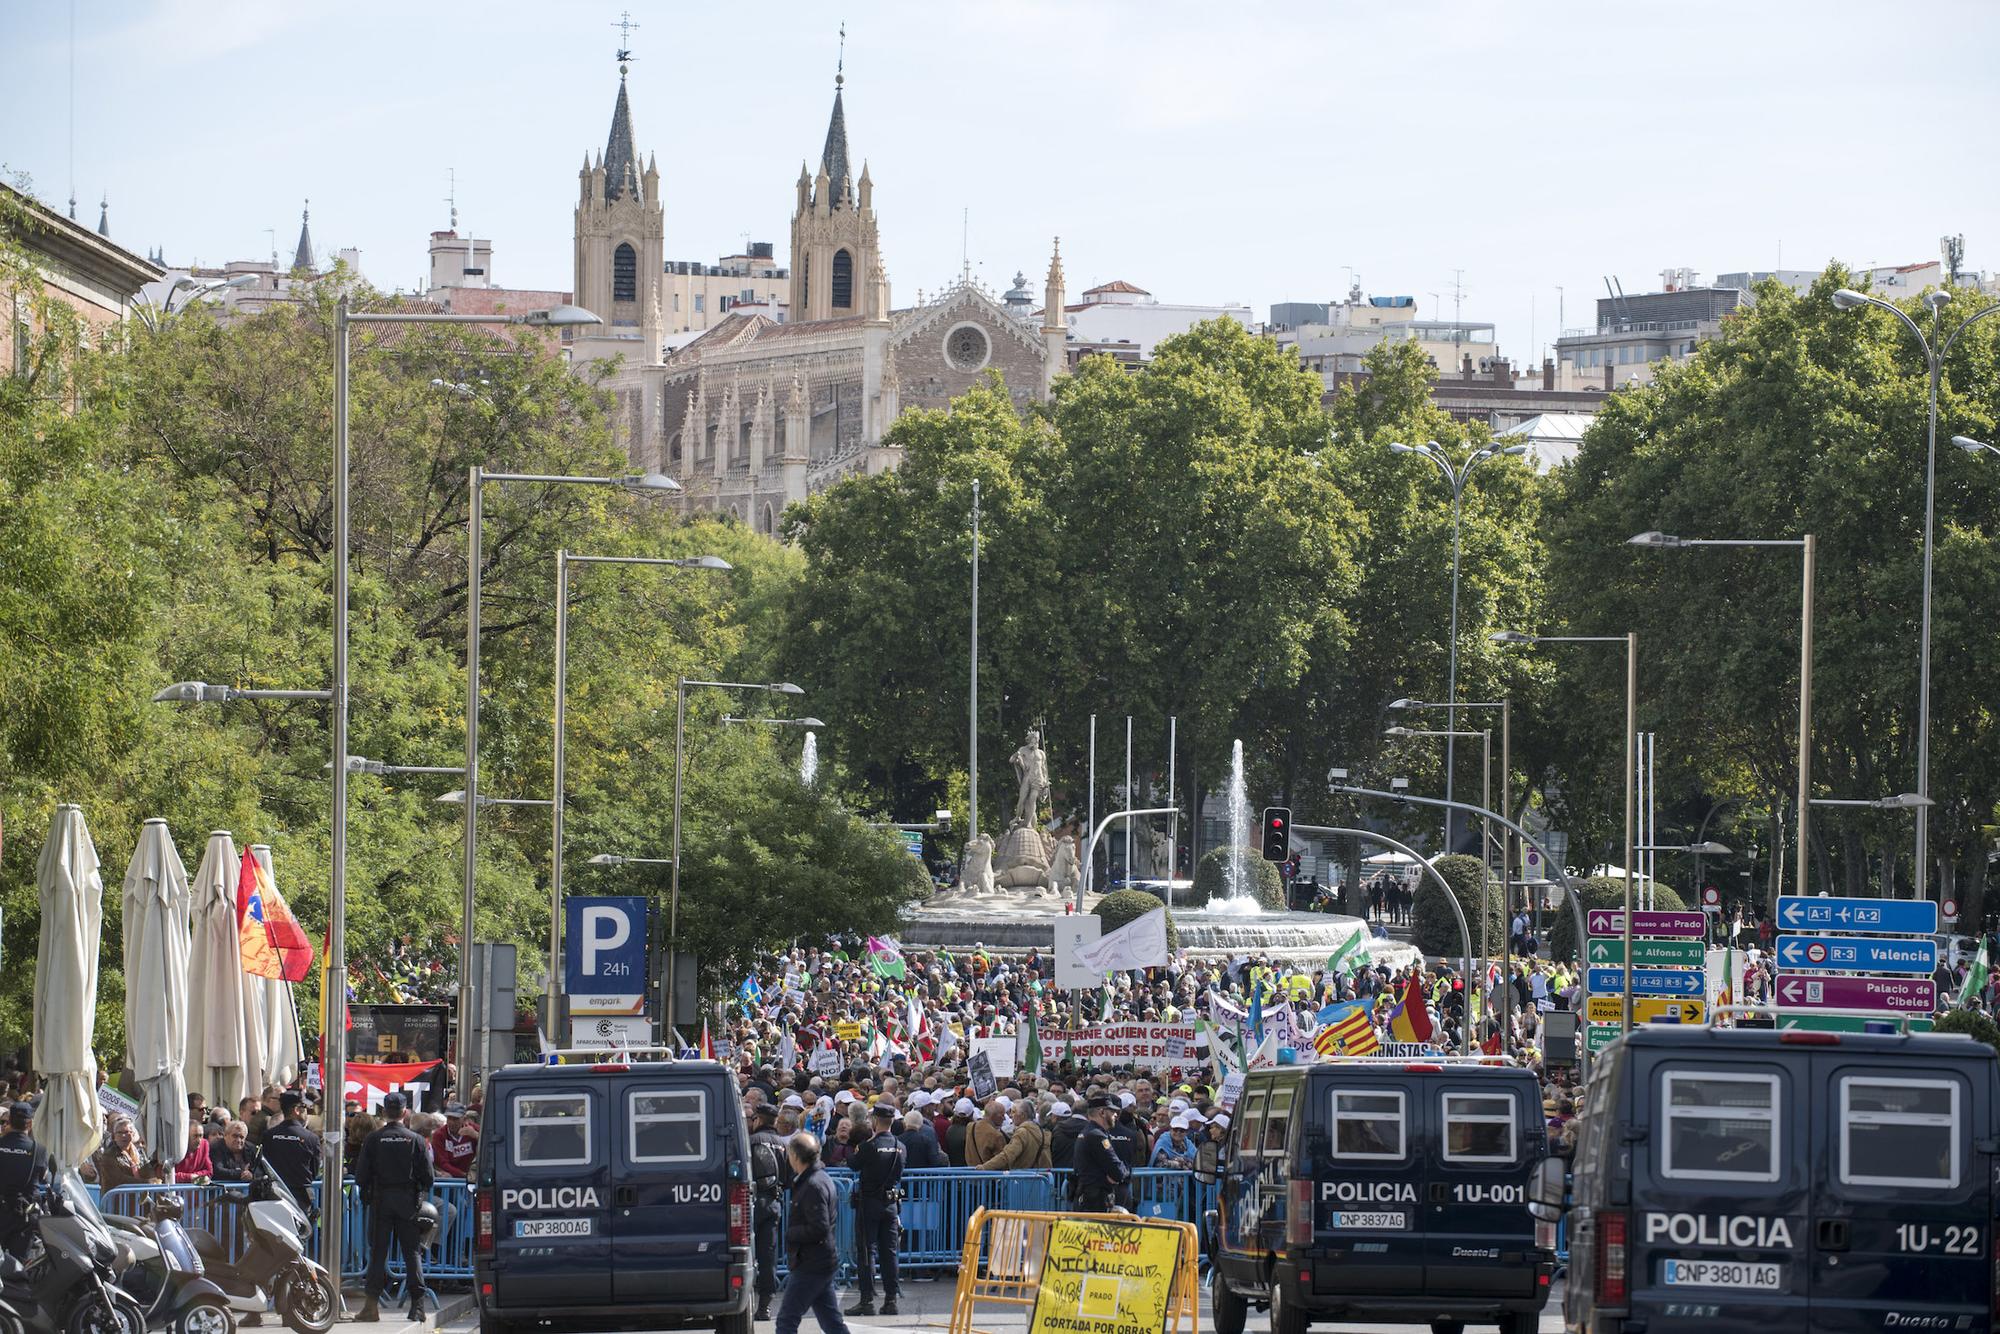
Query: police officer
{"type": "Point", "coordinates": [768, 1169]}
{"type": "Point", "coordinates": [394, 1174]}
{"type": "Point", "coordinates": [1098, 1173]}
{"type": "Point", "coordinates": [878, 1223]}
{"type": "Point", "coordinates": [292, 1150]}
{"type": "Point", "coordinates": [24, 1171]}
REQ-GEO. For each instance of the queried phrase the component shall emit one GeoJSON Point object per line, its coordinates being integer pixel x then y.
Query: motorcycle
{"type": "Point", "coordinates": [165, 1274]}
{"type": "Point", "coordinates": [67, 1282]}
{"type": "Point", "coordinates": [273, 1269]}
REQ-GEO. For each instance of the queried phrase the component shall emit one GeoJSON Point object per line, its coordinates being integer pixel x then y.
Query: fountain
{"type": "Point", "coordinates": [1242, 899]}
{"type": "Point", "coordinates": [809, 760]}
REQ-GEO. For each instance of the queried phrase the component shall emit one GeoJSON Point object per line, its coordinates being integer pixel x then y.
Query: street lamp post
{"type": "Point", "coordinates": [681, 688]}
{"type": "Point", "coordinates": [1456, 478]}
{"type": "Point", "coordinates": [1808, 546]}
{"type": "Point", "coordinates": [972, 707]}
{"type": "Point", "coordinates": [1935, 351]}
{"type": "Point", "coordinates": [1485, 846]}
{"type": "Point", "coordinates": [563, 561]}
{"type": "Point", "coordinates": [1631, 642]}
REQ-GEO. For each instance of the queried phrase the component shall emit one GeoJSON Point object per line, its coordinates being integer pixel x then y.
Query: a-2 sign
{"type": "Point", "coordinates": [1899, 917]}
{"type": "Point", "coordinates": [604, 955]}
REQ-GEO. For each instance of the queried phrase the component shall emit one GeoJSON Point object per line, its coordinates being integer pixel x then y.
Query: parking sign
{"type": "Point", "coordinates": [604, 955]}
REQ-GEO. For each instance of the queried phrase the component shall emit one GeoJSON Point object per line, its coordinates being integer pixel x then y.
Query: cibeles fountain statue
{"type": "Point", "coordinates": [1029, 865]}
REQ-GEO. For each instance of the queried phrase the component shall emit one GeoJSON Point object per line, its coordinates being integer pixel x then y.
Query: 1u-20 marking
{"type": "Point", "coordinates": [708, 1194]}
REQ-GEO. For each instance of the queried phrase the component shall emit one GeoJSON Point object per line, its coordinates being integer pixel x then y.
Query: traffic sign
{"type": "Point", "coordinates": [1850, 1023]}
{"type": "Point", "coordinates": [604, 955]}
{"type": "Point", "coordinates": [1647, 981]}
{"type": "Point", "coordinates": [1951, 911]}
{"type": "Point", "coordinates": [1599, 1036]}
{"type": "Point", "coordinates": [1648, 953]}
{"type": "Point", "coordinates": [1611, 922]}
{"type": "Point", "coordinates": [1646, 1010]}
{"type": "Point", "coordinates": [1857, 954]}
{"type": "Point", "coordinates": [1907, 994]}
{"type": "Point", "coordinates": [1711, 896]}
{"type": "Point", "coordinates": [1885, 917]}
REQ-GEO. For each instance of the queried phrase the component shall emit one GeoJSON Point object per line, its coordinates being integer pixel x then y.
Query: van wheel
{"type": "Point", "coordinates": [1230, 1308]}
{"type": "Point", "coordinates": [738, 1323]}
{"type": "Point", "coordinates": [1286, 1317]}
{"type": "Point", "coordinates": [1456, 1327]}
{"type": "Point", "coordinates": [1519, 1324]}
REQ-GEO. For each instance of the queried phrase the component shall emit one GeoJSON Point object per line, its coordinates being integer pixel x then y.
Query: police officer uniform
{"type": "Point", "coordinates": [293, 1151]}
{"type": "Point", "coordinates": [394, 1174]}
{"type": "Point", "coordinates": [767, 1172]}
{"type": "Point", "coordinates": [878, 1223]}
{"type": "Point", "coordinates": [1098, 1173]}
{"type": "Point", "coordinates": [24, 1170]}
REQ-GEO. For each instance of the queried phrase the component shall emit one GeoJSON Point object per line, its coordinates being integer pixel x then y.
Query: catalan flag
{"type": "Point", "coordinates": [1352, 1033]}
{"type": "Point", "coordinates": [1411, 1020]}
{"type": "Point", "coordinates": [273, 943]}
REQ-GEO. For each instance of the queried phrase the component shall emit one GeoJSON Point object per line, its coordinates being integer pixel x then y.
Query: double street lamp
{"type": "Point", "coordinates": [1455, 477]}
{"type": "Point", "coordinates": [1936, 347]}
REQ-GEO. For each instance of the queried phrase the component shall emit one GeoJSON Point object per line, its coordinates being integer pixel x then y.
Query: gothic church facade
{"type": "Point", "coordinates": [757, 413]}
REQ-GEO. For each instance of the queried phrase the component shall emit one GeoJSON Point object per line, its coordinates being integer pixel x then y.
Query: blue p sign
{"type": "Point", "coordinates": [604, 955]}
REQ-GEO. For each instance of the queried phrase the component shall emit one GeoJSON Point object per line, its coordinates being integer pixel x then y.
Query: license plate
{"type": "Point", "coordinates": [552, 1227]}
{"type": "Point", "coordinates": [1756, 1276]}
{"type": "Point", "coordinates": [1379, 1219]}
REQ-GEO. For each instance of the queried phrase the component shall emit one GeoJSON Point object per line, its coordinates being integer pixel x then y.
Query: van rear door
{"type": "Point", "coordinates": [1369, 1186]}
{"type": "Point", "coordinates": [1722, 1195]}
{"type": "Point", "coordinates": [1902, 1228]}
{"type": "Point", "coordinates": [552, 1183]}
{"type": "Point", "coordinates": [1478, 1236]}
{"type": "Point", "coordinates": [670, 1224]}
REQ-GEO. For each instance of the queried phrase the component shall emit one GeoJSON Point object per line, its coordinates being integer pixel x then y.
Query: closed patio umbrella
{"type": "Point", "coordinates": [72, 899]}
{"type": "Point", "coordinates": [156, 989]}
{"type": "Point", "coordinates": [217, 1052]}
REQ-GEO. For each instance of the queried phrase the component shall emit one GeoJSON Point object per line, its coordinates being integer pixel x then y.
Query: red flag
{"type": "Point", "coordinates": [273, 943]}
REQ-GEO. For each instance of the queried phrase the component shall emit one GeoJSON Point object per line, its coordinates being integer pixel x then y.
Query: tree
{"type": "Point", "coordinates": [1433, 925]}
{"type": "Point", "coordinates": [1261, 878]}
{"type": "Point", "coordinates": [1602, 891]}
{"type": "Point", "coordinates": [1122, 907]}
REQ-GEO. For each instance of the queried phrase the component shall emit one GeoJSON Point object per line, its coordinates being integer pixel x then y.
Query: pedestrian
{"type": "Point", "coordinates": [1027, 1147]}
{"type": "Point", "coordinates": [195, 1167]}
{"type": "Point", "coordinates": [1175, 1149]}
{"type": "Point", "coordinates": [984, 1138]}
{"type": "Point", "coordinates": [920, 1145]}
{"type": "Point", "coordinates": [960, 1131]}
{"type": "Point", "coordinates": [120, 1162]}
{"type": "Point", "coordinates": [1099, 1172]}
{"type": "Point", "coordinates": [293, 1151]}
{"type": "Point", "coordinates": [24, 1171]}
{"type": "Point", "coordinates": [809, 1250]}
{"type": "Point", "coordinates": [767, 1158]}
{"type": "Point", "coordinates": [878, 1222]}
{"type": "Point", "coordinates": [454, 1143]}
{"type": "Point", "coordinates": [394, 1176]}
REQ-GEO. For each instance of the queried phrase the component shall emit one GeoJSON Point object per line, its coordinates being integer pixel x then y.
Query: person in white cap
{"type": "Point", "coordinates": [1175, 1149]}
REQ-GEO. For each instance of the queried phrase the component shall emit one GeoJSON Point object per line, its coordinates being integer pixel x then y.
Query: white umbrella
{"type": "Point", "coordinates": [282, 1049]}
{"type": "Point", "coordinates": [216, 1049]}
{"type": "Point", "coordinates": [72, 898]}
{"type": "Point", "coordinates": [156, 989]}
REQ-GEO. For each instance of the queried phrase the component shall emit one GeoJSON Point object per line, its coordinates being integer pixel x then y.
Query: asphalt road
{"type": "Point", "coordinates": [926, 1304]}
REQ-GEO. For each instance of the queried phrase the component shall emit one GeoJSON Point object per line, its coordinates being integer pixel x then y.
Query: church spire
{"type": "Point", "coordinates": [302, 260]}
{"type": "Point", "coordinates": [621, 163]}
{"type": "Point", "coordinates": [833, 160]}
{"type": "Point", "coordinates": [104, 216]}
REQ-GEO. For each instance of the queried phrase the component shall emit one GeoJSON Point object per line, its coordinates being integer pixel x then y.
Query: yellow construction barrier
{"type": "Point", "coordinates": [1081, 1273]}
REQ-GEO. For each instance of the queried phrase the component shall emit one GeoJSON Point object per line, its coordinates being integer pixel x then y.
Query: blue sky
{"type": "Point", "coordinates": [1241, 152]}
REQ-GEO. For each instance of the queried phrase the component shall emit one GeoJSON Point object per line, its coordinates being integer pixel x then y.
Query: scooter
{"type": "Point", "coordinates": [165, 1275]}
{"type": "Point", "coordinates": [273, 1269]}
{"type": "Point", "coordinates": [67, 1283]}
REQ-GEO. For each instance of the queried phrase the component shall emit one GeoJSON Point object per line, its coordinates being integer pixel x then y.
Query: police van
{"type": "Point", "coordinates": [611, 1194]}
{"type": "Point", "coordinates": [1386, 1191]}
{"type": "Point", "coordinates": [1761, 1179]}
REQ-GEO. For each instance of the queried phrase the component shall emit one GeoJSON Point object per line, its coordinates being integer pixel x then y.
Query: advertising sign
{"type": "Point", "coordinates": [1647, 981]}
{"type": "Point", "coordinates": [397, 1033]}
{"type": "Point", "coordinates": [1858, 954]}
{"type": "Point", "coordinates": [1886, 917]}
{"type": "Point", "coordinates": [610, 1030]}
{"type": "Point", "coordinates": [604, 954]}
{"type": "Point", "coordinates": [1106, 1276]}
{"type": "Point", "coordinates": [1917, 995]}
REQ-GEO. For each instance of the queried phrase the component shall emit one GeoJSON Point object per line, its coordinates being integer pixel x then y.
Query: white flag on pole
{"type": "Point", "coordinates": [1140, 943]}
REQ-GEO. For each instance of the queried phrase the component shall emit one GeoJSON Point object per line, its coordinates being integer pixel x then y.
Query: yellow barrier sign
{"type": "Point", "coordinates": [1646, 1009]}
{"type": "Point", "coordinates": [1106, 1275]}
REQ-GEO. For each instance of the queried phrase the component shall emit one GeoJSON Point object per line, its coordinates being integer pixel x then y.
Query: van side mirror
{"type": "Point", "coordinates": [1548, 1190]}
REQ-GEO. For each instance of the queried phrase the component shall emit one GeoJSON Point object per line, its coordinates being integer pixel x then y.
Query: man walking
{"type": "Point", "coordinates": [394, 1174]}
{"type": "Point", "coordinates": [767, 1154]}
{"type": "Point", "coordinates": [809, 1243]}
{"type": "Point", "coordinates": [878, 1222]}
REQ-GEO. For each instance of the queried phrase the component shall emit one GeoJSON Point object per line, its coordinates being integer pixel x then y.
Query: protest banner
{"type": "Point", "coordinates": [1106, 1276]}
{"type": "Point", "coordinates": [1142, 1045]}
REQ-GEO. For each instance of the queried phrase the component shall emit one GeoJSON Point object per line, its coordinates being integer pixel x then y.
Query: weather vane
{"type": "Point", "coordinates": [840, 65]}
{"type": "Point", "coordinates": [624, 26]}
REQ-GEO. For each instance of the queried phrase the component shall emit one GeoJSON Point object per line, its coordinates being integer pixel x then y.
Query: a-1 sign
{"type": "Point", "coordinates": [1647, 953]}
{"type": "Point", "coordinates": [1611, 922]}
{"type": "Point", "coordinates": [1647, 981]}
{"type": "Point", "coordinates": [1857, 954]}
{"type": "Point", "coordinates": [604, 955]}
{"type": "Point", "coordinates": [1886, 917]}
{"type": "Point", "coordinates": [1911, 995]}
{"type": "Point", "coordinates": [1646, 1010]}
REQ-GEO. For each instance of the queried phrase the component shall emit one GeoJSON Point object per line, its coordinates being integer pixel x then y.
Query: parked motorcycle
{"type": "Point", "coordinates": [165, 1274]}
{"type": "Point", "coordinates": [273, 1269]}
{"type": "Point", "coordinates": [68, 1281]}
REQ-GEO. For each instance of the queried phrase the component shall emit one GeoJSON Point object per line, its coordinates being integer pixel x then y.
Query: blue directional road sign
{"type": "Point", "coordinates": [604, 954]}
{"type": "Point", "coordinates": [1857, 954]}
{"type": "Point", "coordinates": [1885, 917]}
{"type": "Point", "coordinates": [1647, 981]}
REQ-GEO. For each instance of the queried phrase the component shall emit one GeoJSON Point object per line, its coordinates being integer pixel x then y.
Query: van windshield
{"type": "Point", "coordinates": [1368, 1123]}
{"type": "Point", "coordinates": [1479, 1128]}
{"type": "Point", "coordinates": [1721, 1126]}
{"type": "Point", "coordinates": [667, 1127]}
{"type": "Point", "coordinates": [1904, 1133]}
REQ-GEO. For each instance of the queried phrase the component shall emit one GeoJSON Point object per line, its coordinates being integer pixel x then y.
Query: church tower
{"type": "Point", "coordinates": [620, 234]}
{"type": "Point", "coordinates": [836, 254]}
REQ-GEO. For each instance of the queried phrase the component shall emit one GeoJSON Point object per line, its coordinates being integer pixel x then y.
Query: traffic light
{"type": "Point", "coordinates": [1277, 833]}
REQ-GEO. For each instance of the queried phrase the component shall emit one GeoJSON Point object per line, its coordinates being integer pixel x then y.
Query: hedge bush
{"type": "Point", "coordinates": [1122, 906]}
{"type": "Point", "coordinates": [1599, 892]}
{"type": "Point", "coordinates": [1977, 1025]}
{"type": "Point", "coordinates": [1434, 930]}
{"type": "Point", "coordinates": [1211, 878]}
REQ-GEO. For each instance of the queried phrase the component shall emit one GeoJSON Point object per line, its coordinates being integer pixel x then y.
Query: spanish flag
{"type": "Point", "coordinates": [273, 943]}
{"type": "Point", "coordinates": [1411, 1020]}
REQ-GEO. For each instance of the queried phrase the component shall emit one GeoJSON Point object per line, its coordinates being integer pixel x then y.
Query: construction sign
{"type": "Point", "coordinates": [1106, 1275]}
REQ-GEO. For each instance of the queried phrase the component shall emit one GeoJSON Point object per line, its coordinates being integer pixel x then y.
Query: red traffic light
{"type": "Point", "coordinates": [1277, 824]}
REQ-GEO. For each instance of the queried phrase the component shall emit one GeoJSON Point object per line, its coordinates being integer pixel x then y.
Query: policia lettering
{"type": "Point", "coordinates": [1735, 1230]}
